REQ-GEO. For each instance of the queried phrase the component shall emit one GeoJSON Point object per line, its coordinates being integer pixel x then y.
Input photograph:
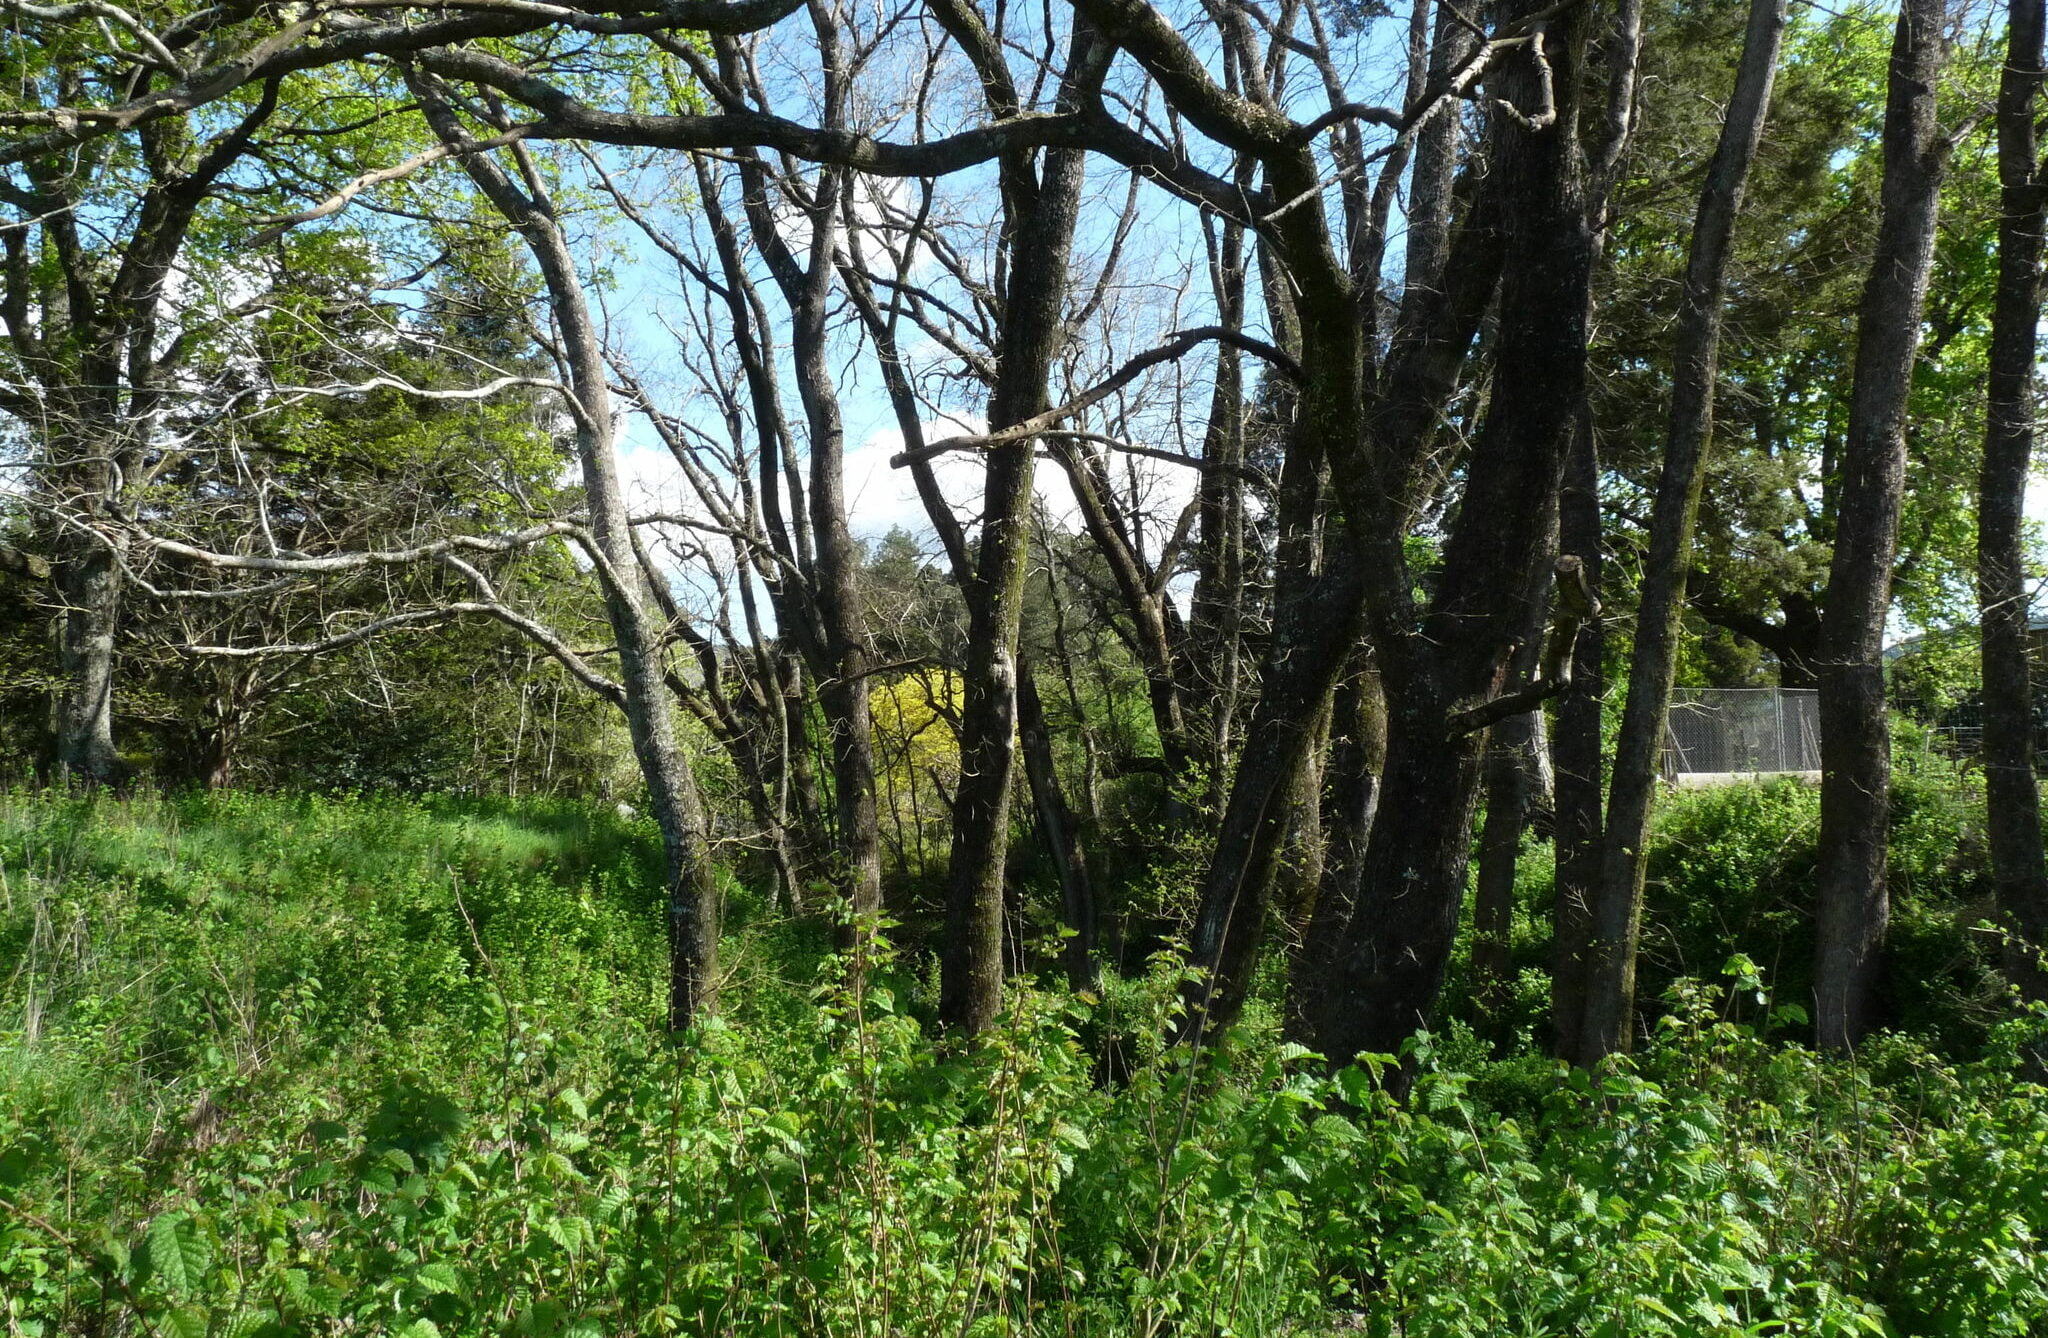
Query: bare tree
{"type": "Point", "coordinates": [672, 790]}
{"type": "Point", "coordinates": [1041, 208]}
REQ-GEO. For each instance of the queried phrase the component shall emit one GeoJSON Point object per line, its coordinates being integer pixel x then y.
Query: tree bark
{"type": "Point", "coordinates": [2012, 794]}
{"type": "Point", "coordinates": [1578, 750]}
{"type": "Point", "coordinates": [1616, 908]}
{"type": "Point", "coordinates": [87, 578]}
{"type": "Point", "coordinates": [1042, 215]}
{"type": "Point", "coordinates": [1509, 779]}
{"type": "Point", "coordinates": [1389, 969]}
{"type": "Point", "coordinates": [831, 623]}
{"type": "Point", "coordinates": [1854, 906]}
{"type": "Point", "coordinates": [840, 636]}
{"type": "Point", "coordinates": [1436, 154]}
{"type": "Point", "coordinates": [1579, 744]}
{"type": "Point", "coordinates": [1303, 849]}
{"type": "Point", "coordinates": [1301, 666]}
{"type": "Point", "coordinates": [1357, 754]}
{"type": "Point", "coordinates": [1213, 668]}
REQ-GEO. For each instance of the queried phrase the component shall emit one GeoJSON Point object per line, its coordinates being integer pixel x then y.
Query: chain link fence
{"type": "Point", "coordinates": [1724, 733]}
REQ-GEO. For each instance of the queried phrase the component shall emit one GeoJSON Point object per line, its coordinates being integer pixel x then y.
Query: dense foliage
{"type": "Point", "coordinates": [738, 666]}
{"type": "Point", "coordinates": [298, 1066]}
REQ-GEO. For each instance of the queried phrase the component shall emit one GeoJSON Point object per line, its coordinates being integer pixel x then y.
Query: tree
{"type": "Point", "coordinates": [94, 345]}
{"type": "Point", "coordinates": [1041, 211]}
{"type": "Point", "coordinates": [1853, 906]}
{"type": "Point", "coordinates": [2012, 795]}
{"type": "Point", "coordinates": [1667, 567]}
{"type": "Point", "coordinates": [1443, 671]}
{"type": "Point", "coordinates": [644, 694]}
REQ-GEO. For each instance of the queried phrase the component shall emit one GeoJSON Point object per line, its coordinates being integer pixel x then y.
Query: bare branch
{"type": "Point", "coordinates": [388, 557]}
{"type": "Point", "coordinates": [1576, 606]}
{"type": "Point", "coordinates": [280, 224]}
{"type": "Point", "coordinates": [1178, 346]}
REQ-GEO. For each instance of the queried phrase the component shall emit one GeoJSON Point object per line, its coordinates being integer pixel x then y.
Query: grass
{"type": "Point", "coordinates": [282, 1065]}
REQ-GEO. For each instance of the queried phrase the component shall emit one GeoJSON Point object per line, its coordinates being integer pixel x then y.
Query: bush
{"type": "Point", "coordinates": [1732, 871]}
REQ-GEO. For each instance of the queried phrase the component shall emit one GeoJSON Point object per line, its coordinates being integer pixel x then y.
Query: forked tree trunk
{"type": "Point", "coordinates": [1315, 624]}
{"type": "Point", "coordinates": [1389, 969]}
{"type": "Point", "coordinates": [1855, 738]}
{"type": "Point", "coordinates": [1351, 794]}
{"type": "Point", "coordinates": [1616, 908]}
{"type": "Point", "coordinates": [2012, 795]}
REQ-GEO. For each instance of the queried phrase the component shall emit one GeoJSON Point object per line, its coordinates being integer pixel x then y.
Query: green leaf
{"type": "Point", "coordinates": [1656, 1306]}
{"type": "Point", "coordinates": [439, 1277]}
{"type": "Point", "coordinates": [187, 1322]}
{"type": "Point", "coordinates": [176, 1253]}
{"type": "Point", "coordinates": [251, 1324]}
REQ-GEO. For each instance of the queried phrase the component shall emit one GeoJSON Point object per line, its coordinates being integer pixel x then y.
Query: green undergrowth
{"type": "Point", "coordinates": [321, 1066]}
{"type": "Point", "coordinates": [1731, 871]}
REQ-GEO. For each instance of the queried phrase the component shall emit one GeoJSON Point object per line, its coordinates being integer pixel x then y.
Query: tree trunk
{"type": "Point", "coordinates": [830, 621]}
{"type": "Point", "coordinates": [2012, 795]}
{"type": "Point", "coordinates": [1509, 778]}
{"type": "Point", "coordinates": [1213, 671]}
{"type": "Point", "coordinates": [1061, 834]}
{"type": "Point", "coordinates": [1389, 969]}
{"type": "Point", "coordinates": [87, 577]}
{"type": "Point", "coordinates": [1043, 219]}
{"type": "Point", "coordinates": [1510, 795]}
{"type": "Point", "coordinates": [800, 775]}
{"type": "Point", "coordinates": [1301, 868]}
{"type": "Point", "coordinates": [1579, 754]}
{"type": "Point", "coordinates": [1436, 160]}
{"type": "Point", "coordinates": [1357, 754]}
{"type": "Point", "coordinates": [1617, 903]}
{"type": "Point", "coordinates": [1855, 736]}
{"type": "Point", "coordinates": [692, 909]}
{"type": "Point", "coordinates": [841, 634]}
{"type": "Point", "coordinates": [1314, 629]}
{"type": "Point", "coordinates": [230, 710]}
